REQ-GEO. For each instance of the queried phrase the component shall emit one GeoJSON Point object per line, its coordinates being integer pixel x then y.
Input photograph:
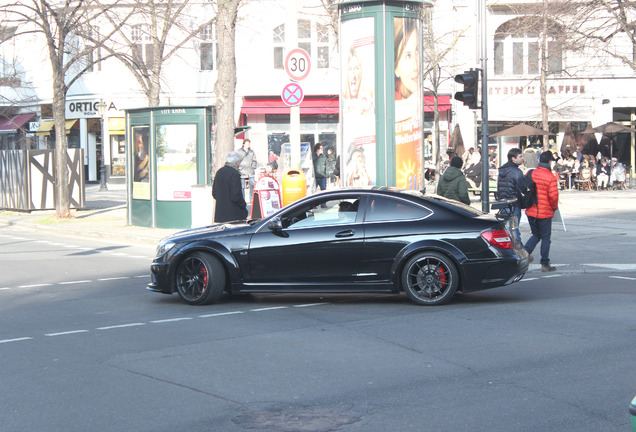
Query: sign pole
{"type": "Point", "coordinates": [294, 112]}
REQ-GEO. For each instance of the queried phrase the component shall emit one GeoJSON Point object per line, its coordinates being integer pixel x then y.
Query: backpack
{"type": "Point", "coordinates": [527, 191]}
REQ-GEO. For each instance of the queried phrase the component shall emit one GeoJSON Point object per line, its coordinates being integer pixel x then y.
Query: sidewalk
{"type": "Point", "coordinates": [587, 214]}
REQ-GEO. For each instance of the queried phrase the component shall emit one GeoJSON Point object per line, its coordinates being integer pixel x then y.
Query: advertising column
{"type": "Point", "coordinates": [408, 103]}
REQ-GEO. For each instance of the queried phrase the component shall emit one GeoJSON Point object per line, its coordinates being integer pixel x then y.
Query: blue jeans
{"type": "Point", "coordinates": [541, 231]}
{"type": "Point", "coordinates": [321, 182]}
{"type": "Point", "coordinates": [515, 211]}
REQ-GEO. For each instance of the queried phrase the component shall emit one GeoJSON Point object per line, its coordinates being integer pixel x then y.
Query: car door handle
{"type": "Point", "coordinates": [346, 233]}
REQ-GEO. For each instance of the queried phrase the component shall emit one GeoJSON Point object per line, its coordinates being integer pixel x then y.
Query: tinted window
{"type": "Point", "coordinates": [330, 211]}
{"type": "Point", "coordinates": [388, 209]}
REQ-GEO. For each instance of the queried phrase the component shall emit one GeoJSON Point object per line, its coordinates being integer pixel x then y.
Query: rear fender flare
{"type": "Point", "coordinates": [439, 246]}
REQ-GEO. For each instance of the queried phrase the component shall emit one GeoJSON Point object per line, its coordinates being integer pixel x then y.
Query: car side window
{"type": "Point", "coordinates": [322, 213]}
{"type": "Point", "coordinates": [389, 209]}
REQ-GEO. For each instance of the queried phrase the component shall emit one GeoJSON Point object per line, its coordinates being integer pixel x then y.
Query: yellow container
{"type": "Point", "coordinates": [294, 186]}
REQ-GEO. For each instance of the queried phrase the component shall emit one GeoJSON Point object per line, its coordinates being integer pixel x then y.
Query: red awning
{"type": "Point", "coordinates": [321, 105]}
{"type": "Point", "coordinates": [13, 123]}
{"type": "Point", "coordinates": [275, 105]}
{"type": "Point", "coordinates": [443, 103]}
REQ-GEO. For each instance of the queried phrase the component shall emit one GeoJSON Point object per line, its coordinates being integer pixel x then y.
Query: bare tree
{"type": "Point", "coordinates": [159, 30]}
{"type": "Point", "coordinates": [225, 86]}
{"type": "Point", "coordinates": [58, 23]}
{"type": "Point", "coordinates": [610, 27]}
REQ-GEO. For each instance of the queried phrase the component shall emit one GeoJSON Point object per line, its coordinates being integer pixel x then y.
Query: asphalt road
{"type": "Point", "coordinates": [84, 347]}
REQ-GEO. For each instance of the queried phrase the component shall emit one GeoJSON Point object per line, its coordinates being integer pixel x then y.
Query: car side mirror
{"type": "Point", "coordinates": [275, 224]}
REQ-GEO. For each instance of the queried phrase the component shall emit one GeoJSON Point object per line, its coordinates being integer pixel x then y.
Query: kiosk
{"type": "Point", "coordinates": [169, 153]}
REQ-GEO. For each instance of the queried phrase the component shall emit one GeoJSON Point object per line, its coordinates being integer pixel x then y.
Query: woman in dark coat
{"type": "Point", "coordinates": [227, 191]}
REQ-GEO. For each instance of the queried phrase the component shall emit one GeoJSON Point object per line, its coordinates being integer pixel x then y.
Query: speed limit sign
{"type": "Point", "coordinates": [297, 64]}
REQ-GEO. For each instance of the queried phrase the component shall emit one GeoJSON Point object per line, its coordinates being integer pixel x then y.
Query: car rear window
{"type": "Point", "coordinates": [390, 209]}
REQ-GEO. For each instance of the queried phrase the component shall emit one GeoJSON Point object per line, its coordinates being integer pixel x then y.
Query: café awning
{"type": "Point", "coordinates": [11, 124]}
{"type": "Point", "coordinates": [46, 126]}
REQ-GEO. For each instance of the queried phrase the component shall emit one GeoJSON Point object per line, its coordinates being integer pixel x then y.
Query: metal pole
{"type": "Point", "coordinates": [102, 168]}
{"type": "Point", "coordinates": [485, 166]}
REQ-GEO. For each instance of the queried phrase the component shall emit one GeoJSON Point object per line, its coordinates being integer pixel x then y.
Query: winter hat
{"type": "Point", "coordinates": [457, 162]}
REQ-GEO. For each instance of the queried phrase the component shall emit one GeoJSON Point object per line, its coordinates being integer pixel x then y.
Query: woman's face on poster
{"type": "Point", "coordinates": [354, 76]}
{"type": "Point", "coordinates": [406, 68]}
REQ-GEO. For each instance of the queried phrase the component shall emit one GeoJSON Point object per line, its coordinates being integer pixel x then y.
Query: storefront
{"type": "Point", "coordinates": [13, 132]}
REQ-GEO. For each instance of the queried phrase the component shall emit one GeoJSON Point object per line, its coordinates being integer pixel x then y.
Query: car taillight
{"type": "Point", "coordinates": [498, 238]}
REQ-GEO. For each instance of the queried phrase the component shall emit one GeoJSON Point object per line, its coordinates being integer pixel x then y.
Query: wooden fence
{"type": "Point", "coordinates": [27, 179]}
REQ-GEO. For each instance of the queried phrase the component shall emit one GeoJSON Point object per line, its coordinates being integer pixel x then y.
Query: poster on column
{"type": "Point", "coordinates": [176, 161]}
{"type": "Point", "coordinates": [408, 104]}
{"type": "Point", "coordinates": [358, 102]}
{"type": "Point", "coordinates": [141, 169]}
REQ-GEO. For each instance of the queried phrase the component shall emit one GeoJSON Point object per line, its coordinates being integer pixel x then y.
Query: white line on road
{"type": "Point", "coordinates": [15, 340]}
{"type": "Point", "coordinates": [66, 333]}
{"type": "Point", "coordinates": [622, 277]}
{"type": "Point", "coordinates": [310, 305]}
{"type": "Point", "coordinates": [220, 314]}
{"type": "Point", "coordinates": [268, 309]}
{"type": "Point", "coordinates": [113, 278]}
{"type": "Point", "coordinates": [143, 276]}
{"type": "Point", "coordinates": [614, 266]}
{"type": "Point", "coordinates": [5, 288]}
{"type": "Point", "coordinates": [551, 276]}
{"type": "Point", "coordinates": [75, 282]}
{"type": "Point", "coordinates": [171, 320]}
{"type": "Point", "coordinates": [35, 285]}
{"type": "Point", "coordinates": [528, 279]}
{"type": "Point", "coordinates": [121, 326]}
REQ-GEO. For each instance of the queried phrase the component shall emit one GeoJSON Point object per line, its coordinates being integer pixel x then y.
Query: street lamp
{"type": "Point", "coordinates": [101, 109]}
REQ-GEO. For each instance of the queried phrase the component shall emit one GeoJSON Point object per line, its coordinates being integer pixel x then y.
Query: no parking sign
{"type": "Point", "coordinates": [292, 94]}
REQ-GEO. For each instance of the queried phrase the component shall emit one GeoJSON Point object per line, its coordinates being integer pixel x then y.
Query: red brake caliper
{"type": "Point", "coordinates": [442, 276]}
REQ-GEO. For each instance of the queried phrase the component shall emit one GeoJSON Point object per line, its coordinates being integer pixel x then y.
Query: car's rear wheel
{"type": "Point", "coordinates": [200, 279]}
{"type": "Point", "coordinates": [430, 278]}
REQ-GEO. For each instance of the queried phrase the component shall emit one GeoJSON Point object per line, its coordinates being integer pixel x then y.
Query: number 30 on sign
{"type": "Point", "coordinates": [297, 64]}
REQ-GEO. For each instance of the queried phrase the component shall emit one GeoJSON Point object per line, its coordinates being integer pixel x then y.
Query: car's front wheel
{"type": "Point", "coordinates": [430, 278]}
{"type": "Point", "coordinates": [200, 279]}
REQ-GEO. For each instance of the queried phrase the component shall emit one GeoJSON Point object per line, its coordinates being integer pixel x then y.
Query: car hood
{"type": "Point", "coordinates": [212, 231]}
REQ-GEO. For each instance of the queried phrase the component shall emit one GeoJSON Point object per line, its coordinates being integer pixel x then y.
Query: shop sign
{"type": "Point", "coordinates": [81, 109]}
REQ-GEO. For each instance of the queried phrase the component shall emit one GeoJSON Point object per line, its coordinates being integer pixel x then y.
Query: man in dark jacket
{"type": "Point", "coordinates": [508, 183]}
{"type": "Point", "coordinates": [227, 191]}
{"type": "Point", "coordinates": [453, 183]}
{"type": "Point", "coordinates": [320, 167]}
{"type": "Point", "coordinates": [540, 215]}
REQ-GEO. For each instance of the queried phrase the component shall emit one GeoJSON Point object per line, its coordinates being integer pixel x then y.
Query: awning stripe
{"type": "Point", "coordinates": [46, 126]}
{"type": "Point", "coordinates": [13, 123]}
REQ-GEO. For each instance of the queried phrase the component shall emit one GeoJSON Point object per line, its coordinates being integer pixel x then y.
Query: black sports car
{"type": "Point", "coordinates": [376, 240]}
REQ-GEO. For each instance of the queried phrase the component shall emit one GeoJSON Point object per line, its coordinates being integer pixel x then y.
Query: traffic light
{"type": "Point", "coordinates": [469, 96]}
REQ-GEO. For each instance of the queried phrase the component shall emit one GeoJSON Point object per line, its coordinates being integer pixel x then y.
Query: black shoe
{"type": "Point", "coordinates": [530, 259]}
{"type": "Point", "coordinates": [547, 268]}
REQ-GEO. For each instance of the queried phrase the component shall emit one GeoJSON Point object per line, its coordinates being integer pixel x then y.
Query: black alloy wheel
{"type": "Point", "coordinates": [200, 279]}
{"type": "Point", "coordinates": [430, 278]}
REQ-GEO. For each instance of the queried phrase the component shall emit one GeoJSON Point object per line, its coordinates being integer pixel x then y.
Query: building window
{"type": "Point", "coordinates": [517, 52]}
{"type": "Point", "coordinates": [279, 46]}
{"type": "Point", "coordinates": [142, 49]}
{"type": "Point", "coordinates": [316, 43]}
{"type": "Point", "coordinates": [208, 47]}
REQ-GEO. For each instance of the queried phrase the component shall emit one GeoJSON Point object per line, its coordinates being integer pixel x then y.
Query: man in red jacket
{"type": "Point", "coordinates": [540, 215]}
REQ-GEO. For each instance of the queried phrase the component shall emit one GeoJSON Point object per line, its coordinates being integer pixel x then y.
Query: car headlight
{"type": "Point", "coordinates": [164, 247]}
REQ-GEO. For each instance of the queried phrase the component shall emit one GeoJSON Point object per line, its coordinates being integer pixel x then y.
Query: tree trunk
{"type": "Point", "coordinates": [543, 88]}
{"type": "Point", "coordinates": [62, 193]}
{"type": "Point", "coordinates": [225, 85]}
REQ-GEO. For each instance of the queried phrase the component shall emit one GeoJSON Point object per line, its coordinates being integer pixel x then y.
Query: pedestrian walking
{"type": "Point", "coordinates": [453, 184]}
{"type": "Point", "coordinates": [320, 167]}
{"type": "Point", "coordinates": [247, 168]}
{"type": "Point", "coordinates": [227, 191]}
{"type": "Point", "coordinates": [508, 184]}
{"type": "Point", "coordinates": [540, 215]}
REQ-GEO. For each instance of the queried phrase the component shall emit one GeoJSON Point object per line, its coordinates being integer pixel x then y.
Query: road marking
{"type": "Point", "coordinates": [121, 326]}
{"type": "Point", "coordinates": [171, 320]}
{"type": "Point", "coordinates": [622, 277]}
{"type": "Point", "coordinates": [35, 285]}
{"type": "Point", "coordinates": [142, 276]}
{"type": "Point", "coordinates": [614, 266]}
{"type": "Point", "coordinates": [220, 314]}
{"type": "Point", "coordinates": [15, 340]}
{"type": "Point", "coordinates": [113, 278]}
{"type": "Point", "coordinates": [4, 289]}
{"type": "Point", "coordinates": [528, 279]}
{"type": "Point", "coordinates": [268, 309]}
{"type": "Point", "coordinates": [310, 305]}
{"type": "Point", "coordinates": [551, 276]}
{"type": "Point", "coordinates": [66, 333]}
{"type": "Point", "coordinates": [75, 282]}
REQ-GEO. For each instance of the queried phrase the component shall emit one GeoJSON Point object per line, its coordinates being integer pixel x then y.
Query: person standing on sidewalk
{"type": "Point", "coordinates": [248, 165]}
{"type": "Point", "coordinates": [320, 167]}
{"type": "Point", "coordinates": [453, 184]}
{"type": "Point", "coordinates": [227, 191]}
{"type": "Point", "coordinates": [540, 215]}
{"type": "Point", "coordinates": [508, 183]}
